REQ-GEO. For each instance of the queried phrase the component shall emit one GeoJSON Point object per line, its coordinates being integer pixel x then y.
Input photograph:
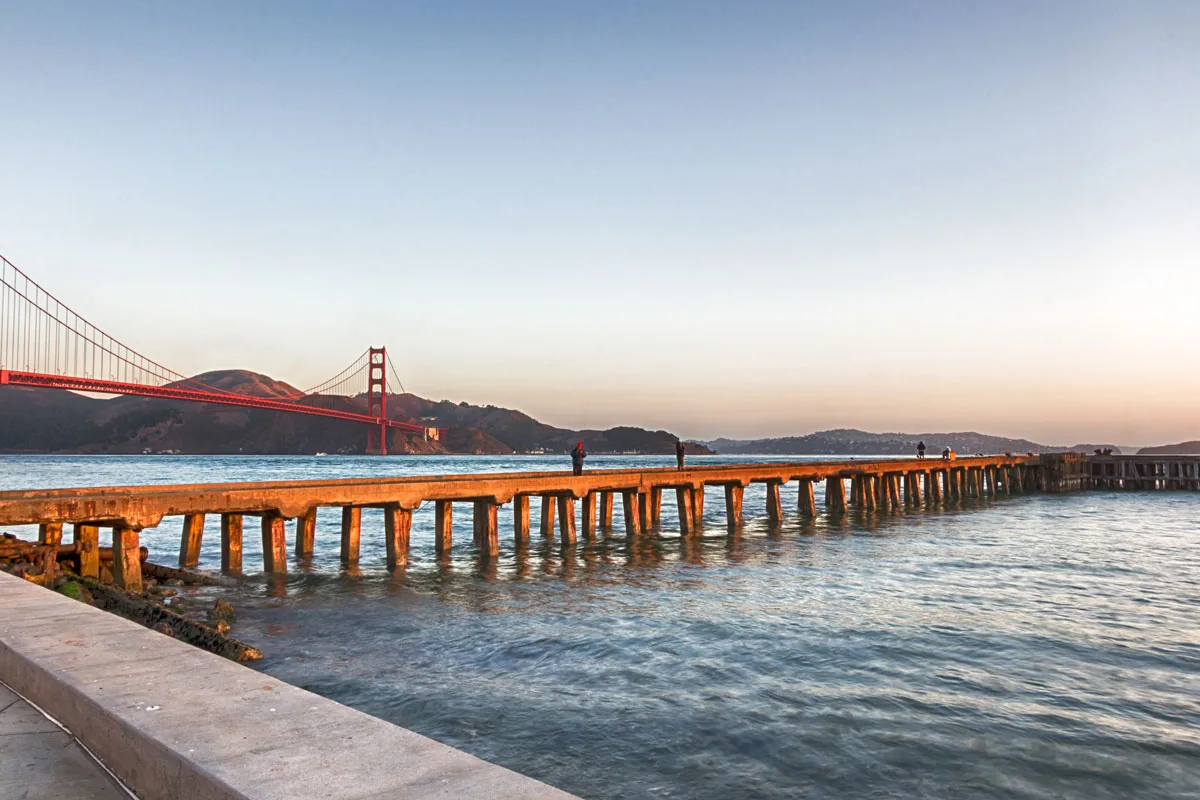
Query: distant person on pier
{"type": "Point", "coordinates": [577, 457]}
{"type": "Point", "coordinates": [946, 454]}
{"type": "Point", "coordinates": [680, 451]}
{"type": "Point", "coordinates": [920, 449]}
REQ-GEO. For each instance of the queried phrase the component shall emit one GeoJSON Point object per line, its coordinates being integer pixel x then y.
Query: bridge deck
{"type": "Point", "coordinates": [145, 506]}
{"type": "Point", "coordinates": [874, 485]}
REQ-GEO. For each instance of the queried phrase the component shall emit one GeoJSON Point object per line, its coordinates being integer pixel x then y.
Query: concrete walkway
{"type": "Point", "coordinates": [39, 760]}
{"type": "Point", "coordinates": [177, 723]}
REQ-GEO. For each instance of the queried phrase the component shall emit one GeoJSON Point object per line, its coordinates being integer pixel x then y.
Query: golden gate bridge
{"type": "Point", "coordinates": [45, 344]}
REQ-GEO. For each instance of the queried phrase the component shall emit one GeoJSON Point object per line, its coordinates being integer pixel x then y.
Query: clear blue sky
{"type": "Point", "coordinates": [743, 219]}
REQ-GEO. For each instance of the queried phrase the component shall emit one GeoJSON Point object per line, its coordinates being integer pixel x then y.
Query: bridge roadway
{"type": "Point", "coordinates": [875, 485]}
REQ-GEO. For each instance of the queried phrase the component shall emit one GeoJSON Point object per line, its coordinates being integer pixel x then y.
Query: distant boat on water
{"type": "Point", "coordinates": [322, 454]}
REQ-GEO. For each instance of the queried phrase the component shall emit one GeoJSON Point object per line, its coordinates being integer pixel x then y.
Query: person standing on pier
{"type": "Point", "coordinates": [920, 449]}
{"type": "Point", "coordinates": [680, 452]}
{"type": "Point", "coordinates": [577, 457]}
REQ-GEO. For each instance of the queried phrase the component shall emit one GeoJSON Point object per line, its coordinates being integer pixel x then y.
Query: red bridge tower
{"type": "Point", "coordinates": [377, 400]}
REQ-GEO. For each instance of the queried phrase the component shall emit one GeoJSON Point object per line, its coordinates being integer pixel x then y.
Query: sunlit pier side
{"type": "Point", "coordinates": [573, 506]}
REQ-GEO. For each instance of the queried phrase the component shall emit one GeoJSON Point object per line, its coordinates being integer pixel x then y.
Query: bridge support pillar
{"type": "Point", "coordinates": [687, 507]}
{"type": "Point", "coordinates": [866, 488]}
{"type": "Point", "coordinates": [443, 523]}
{"type": "Point", "coordinates": [397, 523]}
{"type": "Point", "coordinates": [588, 514]}
{"type": "Point", "coordinates": [87, 545]}
{"type": "Point", "coordinates": [698, 507]}
{"type": "Point", "coordinates": [806, 500]}
{"type": "Point", "coordinates": [351, 529]}
{"type": "Point", "coordinates": [547, 520]}
{"type": "Point", "coordinates": [912, 489]}
{"type": "Point", "coordinates": [566, 519]}
{"type": "Point", "coordinates": [49, 538]}
{"type": "Point", "coordinates": [487, 527]}
{"type": "Point", "coordinates": [274, 543]}
{"type": "Point", "coordinates": [774, 506]}
{"type": "Point", "coordinates": [606, 510]}
{"type": "Point", "coordinates": [193, 535]}
{"type": "Point", "coordinates": [231, 542]}
{"type": "Point", "coordinates": [127, 559]}
{"type": "Point", "coordinates": [306, 533]}
{"type": "Point", "coordinates": [893, 488]}
{"type": "Point", "coordinates": [631, 511]}
{"type": "Point", "coordinates": [643, 510]}
{"type": "Point", "coordinates": [521, 519]}
{"type": "Point", "coordinates": [733, 505]}
{"type": "Point", "coordinates": [835, 494]}
{"type": "Point", "coordinates": [655, 505]}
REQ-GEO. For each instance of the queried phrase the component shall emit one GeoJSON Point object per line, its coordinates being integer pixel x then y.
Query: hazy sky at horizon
{"type": "Point", "coordinates": [726, 219]}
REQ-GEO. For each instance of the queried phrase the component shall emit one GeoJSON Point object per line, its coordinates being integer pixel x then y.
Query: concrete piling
{"type": "Point", "coordinates": [193, 534]}
{"type": "Point", "coordinates": [274, 543]}
{"type": "Point", "coordinates": [397, 523]}
{"type": "Point", "coordinates": [231, 542]}
{"type": "Point", "coordinates": [443, 523]}
{"type": "Point", "coordinates": [733, 505]}
{"type": "Point", "coordinates": [566, 519]}
{"type": "Point", "coordinates": [521, 519]}
{"type": "Point", "coordinates": [127, 559]}
{"type": "Point", "coordinates": [87, 545]}
{"type": "Point", "coordinates": [306, 533]}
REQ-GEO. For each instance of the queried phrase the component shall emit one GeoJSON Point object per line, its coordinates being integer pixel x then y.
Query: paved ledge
{"type": "Point", "coordinates": [38, 759]}
{"type": "Point", "coordinates": [173, 721]}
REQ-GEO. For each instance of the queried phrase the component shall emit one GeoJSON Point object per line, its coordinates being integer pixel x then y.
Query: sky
{"type": "Point", "coordinates": [740, 219]}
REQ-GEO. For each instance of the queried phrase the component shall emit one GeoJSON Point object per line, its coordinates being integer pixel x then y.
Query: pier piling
{"type": "Point", "coordinates": [351, 532]}
{"type": "Point", "coordinates": [193, 535]}
{"type": "Point", "coordinates": [733, 505]}
{"type": "Point", "coordinates": [566, 518]}
{"type": "Point", "coordinates": [231, 542]}
{"type": "Point", "coordinates": [274, 543]}
{"type": "Point", "coordinates": [397, 523]}
{"type": "Point", "coordinates": [521, 519]}
{"type": "Point", "coordinates": [443, 523]}
{"type": "Point", "coordinates": [127, 559]}
{"type": "Point", "coordinates": [87, 544]}
{"type": "Point", "coordinates": [306, 533]}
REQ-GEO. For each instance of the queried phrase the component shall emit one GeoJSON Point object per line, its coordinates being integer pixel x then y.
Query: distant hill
{"type": "Point", "coordinates": [1181, 449]}
{"type": "Point", "coordinates": [53, 421]}
{"type": "Point", "coordinates": [851, 442]}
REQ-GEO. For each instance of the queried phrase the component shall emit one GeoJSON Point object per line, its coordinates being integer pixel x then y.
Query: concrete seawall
{"type": "Point", "coordinates": [172, 721]}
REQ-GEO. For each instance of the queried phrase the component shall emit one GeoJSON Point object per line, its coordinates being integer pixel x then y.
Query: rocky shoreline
{"type": "Point", "coordinates": [158, 606]}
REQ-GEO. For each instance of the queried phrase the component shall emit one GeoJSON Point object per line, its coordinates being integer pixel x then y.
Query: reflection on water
{"type": "Point", "coordinates": [1043, 646]}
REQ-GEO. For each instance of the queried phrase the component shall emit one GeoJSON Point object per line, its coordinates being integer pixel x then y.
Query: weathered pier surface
{"type": "Point", "coordinates": [881, 486]}
{"type": "Point", "coordinates": [570, 506]}
{"type": "Point", "coordinates": [1147, 473]}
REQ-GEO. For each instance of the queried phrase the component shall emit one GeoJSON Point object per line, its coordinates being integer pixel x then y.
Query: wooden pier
{"type": "Point", "coordinates": [570, 506]}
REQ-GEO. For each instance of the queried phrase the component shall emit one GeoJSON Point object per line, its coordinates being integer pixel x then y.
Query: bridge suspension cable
{"type": "Point", "coordinates": [43, 342]}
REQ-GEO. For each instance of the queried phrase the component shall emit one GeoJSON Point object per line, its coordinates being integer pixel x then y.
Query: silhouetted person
{"type": "Point", "coordinates": [577, 457]}
{"type": "Point", "coordinates": [680, 451]}
{"type": "Point", "coordinates": [946, 454]}
{"type": "Point", "coordinates": [920, 449]}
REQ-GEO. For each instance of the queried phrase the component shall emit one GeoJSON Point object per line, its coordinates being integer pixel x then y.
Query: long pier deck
{"type": "Point", "coordinates": [874, 485]}
{"type": "Point", "coordinates": [571, 505]}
